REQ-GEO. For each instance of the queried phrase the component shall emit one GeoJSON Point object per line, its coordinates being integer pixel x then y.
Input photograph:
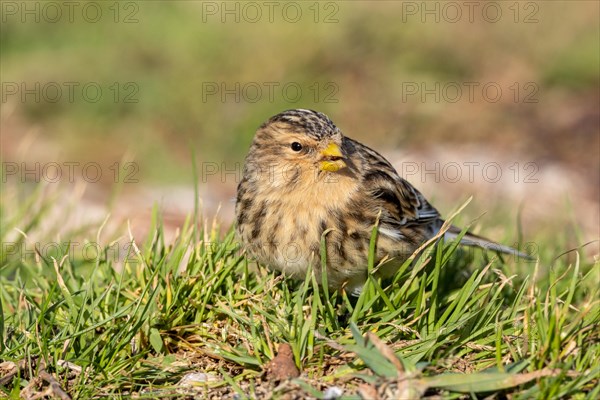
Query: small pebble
{"type": "Point", "coordinates": [332, 393]}
{"type": "Point", "coordinates": [194, 378]}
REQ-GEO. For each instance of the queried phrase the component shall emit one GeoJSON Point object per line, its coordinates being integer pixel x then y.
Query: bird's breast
{"type": "Point", "coordinates": [285, 228]}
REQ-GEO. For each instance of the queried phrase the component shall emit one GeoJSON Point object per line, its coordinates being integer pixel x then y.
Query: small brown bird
{"type": "Point", "coordinates": [304, 180]}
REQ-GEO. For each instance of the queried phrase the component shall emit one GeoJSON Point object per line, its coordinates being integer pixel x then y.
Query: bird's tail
{"type": "Point", "coordinates": [470, 239]}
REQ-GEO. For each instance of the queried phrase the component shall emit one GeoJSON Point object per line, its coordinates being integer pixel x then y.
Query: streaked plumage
{"type": "Point", "coordinates": [303, 179]}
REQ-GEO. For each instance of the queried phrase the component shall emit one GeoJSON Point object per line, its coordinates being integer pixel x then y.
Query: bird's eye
{"type": "Point", "coordinates": [296, 146]}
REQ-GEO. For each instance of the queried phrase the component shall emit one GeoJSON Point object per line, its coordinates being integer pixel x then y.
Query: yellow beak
{"type": "Point", "coordinates": [332, 156]}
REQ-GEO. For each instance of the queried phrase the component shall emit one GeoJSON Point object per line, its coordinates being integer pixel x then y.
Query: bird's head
{"type": "Point", "coordinates": [300, 139]}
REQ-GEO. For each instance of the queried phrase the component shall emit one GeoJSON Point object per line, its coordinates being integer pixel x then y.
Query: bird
{"type": "Point", "coordinates": [305, 183]}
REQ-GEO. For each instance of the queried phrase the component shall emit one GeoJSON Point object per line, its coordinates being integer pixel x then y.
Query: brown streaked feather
{"type": "Point", "coordinates": [287, 200]}
{"type": "Point", "coordinates": [405, 203]}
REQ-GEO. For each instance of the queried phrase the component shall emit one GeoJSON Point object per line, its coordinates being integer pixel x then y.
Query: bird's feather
{"type": "Point", "coordinates": [470, 239]}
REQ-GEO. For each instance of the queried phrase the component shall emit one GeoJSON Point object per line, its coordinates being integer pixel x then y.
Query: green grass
{"type": "Point", "coordinates": [133, 324]}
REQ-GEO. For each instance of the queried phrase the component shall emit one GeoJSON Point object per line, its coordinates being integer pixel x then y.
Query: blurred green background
{"type": "Point", "coordinates": [352, 60]}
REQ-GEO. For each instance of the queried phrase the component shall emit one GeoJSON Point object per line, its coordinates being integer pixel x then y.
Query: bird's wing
{"type": "Point", "coordinates": [404, 204]}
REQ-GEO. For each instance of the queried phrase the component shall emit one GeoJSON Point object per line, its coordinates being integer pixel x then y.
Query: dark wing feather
{"type": "Point", "coordinates": [404, 205]}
